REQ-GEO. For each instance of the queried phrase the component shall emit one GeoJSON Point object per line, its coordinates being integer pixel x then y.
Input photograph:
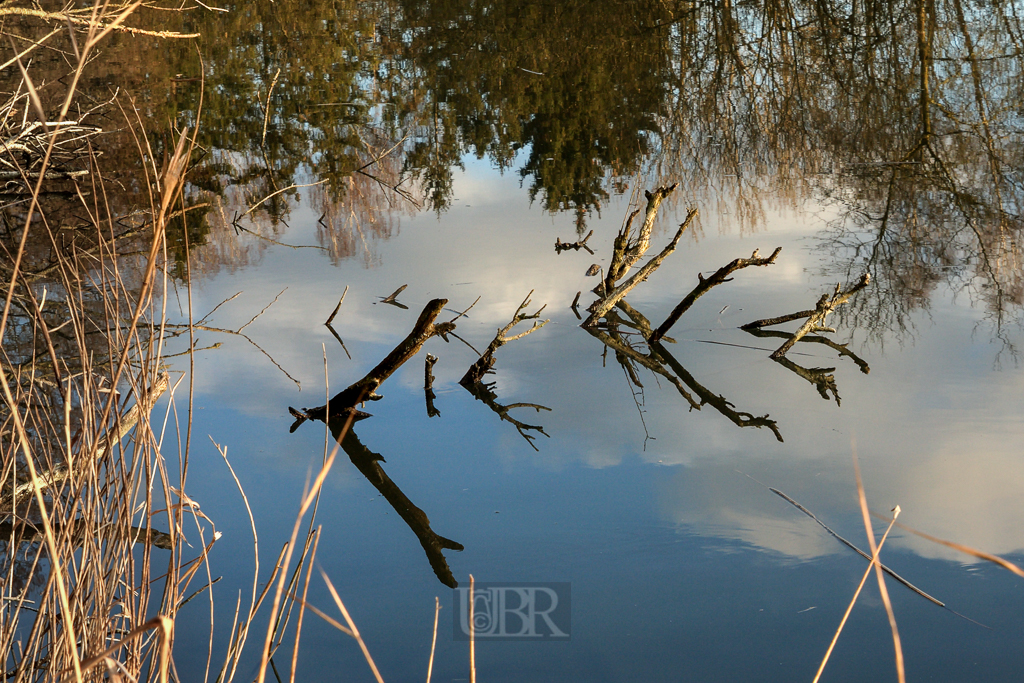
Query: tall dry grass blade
{"type": "Point", "coordinates": [302, 606]}
{"type": "Point", "coordinates": [433, 640]}
{"type": "Point", "coordinates": [897, 645]}
{"type": "Point", "coordinates": [849, 608]}
{"type": "Point", "coordinates": [352, 627]}
{"type": "Point", "coordinates": [472, 633]}
{"type": "Point", "coordinates": [966, 549]}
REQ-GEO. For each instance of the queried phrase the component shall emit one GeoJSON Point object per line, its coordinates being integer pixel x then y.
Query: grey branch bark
{"type": "Point", "coordinates": [599, 308]}
{"type": "Point", "coordinates": [485, 362]}
{"type": "Point", "coordinates": [705, 285]}
{"type": "Point", "coordinates": [625, 253]}
{"type": "Point", "coordinates": [825, 306]}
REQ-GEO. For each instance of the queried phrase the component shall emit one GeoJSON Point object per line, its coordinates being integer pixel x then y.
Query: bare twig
{"type": "Point", "coordinates": [826, 304]}
{"type": "Point", "coordinates": [721, 275]}
{"type": "Point", "coordinates": [599, 308]}
{"type": "Point", "coordinates": [485, 362]}
{"type": "Point", "coordinates": [337, 308]}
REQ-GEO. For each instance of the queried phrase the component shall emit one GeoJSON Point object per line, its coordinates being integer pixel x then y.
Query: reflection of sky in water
{"type": "Point", "coordinates": [661, 538]}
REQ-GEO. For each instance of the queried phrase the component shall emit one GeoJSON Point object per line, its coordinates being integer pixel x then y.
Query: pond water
{"type": "Point", "coordinates": [878, 138]}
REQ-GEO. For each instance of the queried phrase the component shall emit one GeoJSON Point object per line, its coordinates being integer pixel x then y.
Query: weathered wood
{"type": "Point", "coordinates": [600, 307]}
{"type": "Point", "coordinates": [721, 275]}
{"type": "Point", "coordinates": [428, 385]}
{"type": "Point", "coordinates": [757, 324]}
{"type": "Point", "coordinates": [485, 362]}
{"type": "Point", "coordinates": [625, 254]}
{"type": "Point", "coordinates": [825, 306]}
{"type": "Point", "coordinates": [561, 246]}
{"type": "Point", "coordinates": [365, 389]}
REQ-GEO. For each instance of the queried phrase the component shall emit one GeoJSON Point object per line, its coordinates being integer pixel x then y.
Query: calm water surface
{"type": "Point", "coordinates": [499, 127]}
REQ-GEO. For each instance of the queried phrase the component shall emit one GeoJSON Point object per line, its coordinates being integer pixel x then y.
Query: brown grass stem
{"type": "Point", "coordinates": [874, 560]}
{"type": "Point", "coordinates": [433, 639]}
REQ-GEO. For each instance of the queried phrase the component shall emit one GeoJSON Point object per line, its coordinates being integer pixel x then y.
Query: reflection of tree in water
{"type": "Point", "coordinates": [755, 106]}
{"type": "Point", "coordinates": [579, 92]}
{"type": "Point", "coordinates": [917, 103]}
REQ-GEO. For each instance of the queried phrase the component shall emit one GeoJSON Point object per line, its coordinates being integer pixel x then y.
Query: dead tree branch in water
{"type": "Point", "coordinates": [816, 320]}
{"type": "Point", "coordinates": [704, 286]}
{"type": "Point", "coordinates": [561, 246]}
{"type": "Point", "coordinates": [661, 362]}
{"type": "Point", "coordinates": [428, 385]}
{"type": "Point", "coordinates": [813, 338]}
{"type": "Point", "coordinates": [393, 297]}
{"type": "Point", "coordinates": [365, 389]}
{"type": "Point", "coordinates": [625, 253]}
{"type": "Point", "coordinates": [601, 307]}
{"type": "Point", "coordinates": [485, 362]}
{"type": "Point", "coordinates": [473, 382]}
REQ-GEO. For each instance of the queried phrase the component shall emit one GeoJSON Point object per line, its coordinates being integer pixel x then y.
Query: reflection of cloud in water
{"type": "Point", "coordinates": [718, 501]}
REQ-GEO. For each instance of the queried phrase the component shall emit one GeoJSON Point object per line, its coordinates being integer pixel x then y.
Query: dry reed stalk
{"type": "Point", "coordinates": [849, 608]}
{"type": "Point", "coordinates": [862, 498]}
{"type": "Point", "coordinates": [472, 633]}
{"type": "Point", "coordinates": [97, 593]}
{"type": "Point", "coordinates": [433, 639]}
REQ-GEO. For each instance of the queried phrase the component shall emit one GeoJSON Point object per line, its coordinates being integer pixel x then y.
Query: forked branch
{"type": "Point", "coordinates": [601, 307]}
{"type": "Point", "coordinates": [626, 251]}
{"type": "Point", "coordinates": [816, 321]}
{"type": "Point", "coordinates": [485, 362]}
{"type": "Point", "coordinates": [721, 275]}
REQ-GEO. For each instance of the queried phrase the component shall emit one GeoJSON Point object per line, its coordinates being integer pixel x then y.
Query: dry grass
{"type": "Point", "coordinates": [93, 463]}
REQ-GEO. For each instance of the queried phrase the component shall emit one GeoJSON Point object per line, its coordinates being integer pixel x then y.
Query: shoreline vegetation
{"type": "Point", "coordinates": [95, 550]}
{"type": "Point", "coordinates": [100, 544]}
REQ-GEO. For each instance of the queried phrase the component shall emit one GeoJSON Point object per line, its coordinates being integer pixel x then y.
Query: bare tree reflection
{"type": "Point", "coordinates": [368, 463]}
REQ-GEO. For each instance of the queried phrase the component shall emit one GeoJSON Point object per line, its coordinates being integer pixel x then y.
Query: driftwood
{"type": "Point", "coordinates": [816, 320]}
{"type": "Point", "coordinates": [721, 275]}
{"type": "Point", "coordinates": [428, 385]}
{"type": "Point", "coordinates": [812, 338]}
{"type": "Point", "coordinates": [661, 362]}
{"type": "Point", "coordinates": [368, 463]}
{"type": "Point", "coordinates": [757, 324]}
{"type": "Point", "coordinates": [626, 252]}
{"type": "Point", "coordinates": [601, 307]}
{"type": "Point", "coordinates": [393, 298]}
{"type": "Point", "coordinates": [561, 246]}
{"type": "Point", "coordinates": [345, 401]}
{"type": "Point", "coordinates": [485, 362]}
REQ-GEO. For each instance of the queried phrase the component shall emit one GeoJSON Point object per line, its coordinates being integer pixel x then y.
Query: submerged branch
{"type": "Point", "coordinates": [705, 285]}
{"type": "Point", "coordinates": [601, 307]}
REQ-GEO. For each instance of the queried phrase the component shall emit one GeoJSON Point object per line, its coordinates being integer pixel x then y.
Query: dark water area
{"type": "Point", "coordinates": [445, 146]}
